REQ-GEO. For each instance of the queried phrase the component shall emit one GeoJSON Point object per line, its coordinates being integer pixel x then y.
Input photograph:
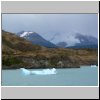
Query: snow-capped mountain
{"type": "Point", "coordinates": [35, 38]}
{"type": "Point", "coordinates": [25, 34]}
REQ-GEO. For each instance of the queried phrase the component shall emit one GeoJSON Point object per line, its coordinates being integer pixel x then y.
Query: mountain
{"type": "Point", "coordinates": [75, 40]}
{"type": "Point", "coordinates": [62, 44]}
{"type": "Point", "coordinates": [86, 41]}
{"type": "Point", "coordinates": [35, 38]}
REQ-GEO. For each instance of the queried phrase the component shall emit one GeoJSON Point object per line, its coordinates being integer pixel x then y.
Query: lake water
{"type": "Point", "coordinates": [84, 76]}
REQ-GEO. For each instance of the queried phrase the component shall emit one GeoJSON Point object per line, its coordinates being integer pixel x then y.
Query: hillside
{"type": "Point", "coordinates": [15, 44]}
{"type": "Point", "coordinates": [18, 52]}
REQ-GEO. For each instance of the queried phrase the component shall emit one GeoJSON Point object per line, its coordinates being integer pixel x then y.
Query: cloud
{"type": "Point", "coordinates": [51, 25]}
{"type": "Point", "coordinates": [71, 40]}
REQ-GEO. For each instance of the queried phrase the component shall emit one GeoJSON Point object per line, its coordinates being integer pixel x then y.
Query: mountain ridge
{"type": "Point", "coordinates": [35, 38]}
{"type": "Point", "coordinates": [85, 41]}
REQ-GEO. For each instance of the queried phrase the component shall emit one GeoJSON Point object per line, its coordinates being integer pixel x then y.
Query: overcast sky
{"type": "Point", "coordinates": [49, 25]}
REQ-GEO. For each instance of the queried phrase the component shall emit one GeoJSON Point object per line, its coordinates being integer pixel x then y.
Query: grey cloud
{"type": "Point", "coordinates": [47, 25]}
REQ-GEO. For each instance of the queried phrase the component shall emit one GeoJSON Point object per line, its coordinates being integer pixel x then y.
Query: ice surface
{"type": "Point", "coordinates": [93, 66]}
{"type": "Point", "coordinates": [42, 72]}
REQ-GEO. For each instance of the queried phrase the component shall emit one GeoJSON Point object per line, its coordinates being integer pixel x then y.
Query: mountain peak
{"type": "Point", "coordinates": [35, 38]}
{"type": "Point", "coordinates": [25, 33]}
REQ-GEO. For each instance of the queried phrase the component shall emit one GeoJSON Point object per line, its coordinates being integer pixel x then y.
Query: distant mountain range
{"type": "Point", "coordinates": [86, 41]}
{"type": "Point", "coordinates": [35, 38]}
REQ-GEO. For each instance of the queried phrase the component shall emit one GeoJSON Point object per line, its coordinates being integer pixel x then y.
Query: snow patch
{"type": "Point", "coordinates": [25, 34]}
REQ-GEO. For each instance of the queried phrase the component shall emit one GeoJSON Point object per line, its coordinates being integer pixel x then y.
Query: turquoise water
{"type": "Point", "coordinates": [84, 76]}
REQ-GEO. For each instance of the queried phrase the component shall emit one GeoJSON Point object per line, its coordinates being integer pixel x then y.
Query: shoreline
{"type": "Point", "coordinates": [49, 67]}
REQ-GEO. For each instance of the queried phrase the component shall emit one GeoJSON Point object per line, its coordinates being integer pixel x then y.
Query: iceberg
{"type": "Point", "coordinates": [93, 66]}
{"type": "Point", "coordinates": [25, 71]}
{"type": "Point", "coordinates": [42, 72]}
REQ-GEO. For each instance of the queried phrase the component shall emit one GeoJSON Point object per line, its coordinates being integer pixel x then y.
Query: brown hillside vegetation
{"type": "Point", "coordinates": [18, 52]}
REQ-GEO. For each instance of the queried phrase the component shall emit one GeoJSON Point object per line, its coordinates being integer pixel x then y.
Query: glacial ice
{"type": "Point", "coordinates": [42, 72]}
{"type": "Point", "coordinates": [93, 66]}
